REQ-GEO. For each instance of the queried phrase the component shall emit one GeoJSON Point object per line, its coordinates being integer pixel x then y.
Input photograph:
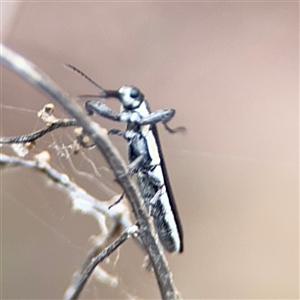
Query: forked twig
{"type": "Point", "coordinates": [78, 284]}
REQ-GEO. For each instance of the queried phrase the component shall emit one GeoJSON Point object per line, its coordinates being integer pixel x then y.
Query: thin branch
{"type": "Point", "coordinates": [114, 232]}
{"type": "Point", "coordinates": [39, 133]}
{"type": "Point", "coordinates": [41, 81]}
{"type": "Point", "coordinates": [75, 289]}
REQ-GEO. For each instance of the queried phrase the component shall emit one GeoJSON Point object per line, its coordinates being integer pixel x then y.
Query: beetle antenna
{"type": "Point", "coordinates": [89, 96]}
{"type": "Point", "coordinates": [84, 75]}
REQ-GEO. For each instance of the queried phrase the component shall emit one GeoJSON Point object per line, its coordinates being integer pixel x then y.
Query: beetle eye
{"type": "Point", "coordinates": [134, 93]}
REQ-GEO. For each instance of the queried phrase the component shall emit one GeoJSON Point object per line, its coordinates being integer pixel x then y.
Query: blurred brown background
{"type": "Point", "coordinates": [231, 71]}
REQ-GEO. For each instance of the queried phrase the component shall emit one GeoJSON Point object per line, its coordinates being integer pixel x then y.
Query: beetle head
{"type": "Point", "coordinates": [130, 96]}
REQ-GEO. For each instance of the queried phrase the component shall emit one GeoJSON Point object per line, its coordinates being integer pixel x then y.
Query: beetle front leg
{"type": "Point", "coordinates": [164, 116]}
{"type": "Point", "coordinates": [102, 110]}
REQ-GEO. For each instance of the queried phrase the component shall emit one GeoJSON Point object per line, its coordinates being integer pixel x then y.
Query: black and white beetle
{"type": "Point", "coordinates": [145, 156]}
